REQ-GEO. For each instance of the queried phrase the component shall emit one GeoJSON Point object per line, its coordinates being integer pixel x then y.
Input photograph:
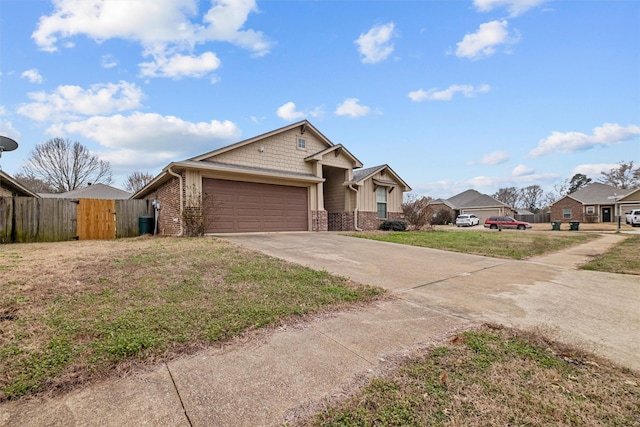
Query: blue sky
{"type": "Point", "coordinates": [452, 95]}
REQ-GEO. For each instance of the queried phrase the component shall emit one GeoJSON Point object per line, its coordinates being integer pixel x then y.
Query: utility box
{"type": "Point", "coordinates": [145, 225]}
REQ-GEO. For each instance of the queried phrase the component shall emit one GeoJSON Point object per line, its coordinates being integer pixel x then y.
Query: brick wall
{"type": "Point", "coordinates": [169, 196]}
{"type": "Point", "coordinates": [319, 221]}
{"type": "Point", "coordinates": [370, 220]}
{"type": "Point", "coordinates": [567, 202]}
{"type": "Point", "coordinates": [341, 221]}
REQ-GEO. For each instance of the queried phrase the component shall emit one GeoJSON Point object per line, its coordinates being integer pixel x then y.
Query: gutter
{"type": "Point", "coordinates": [355, 212]}
{"type": "Point", "coordinates": [181, 201]}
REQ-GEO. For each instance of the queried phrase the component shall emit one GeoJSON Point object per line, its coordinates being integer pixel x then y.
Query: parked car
{"type": "Point", "coordinates": [467, 220]}
{"type": "Point", "coordinates": [494, 222]}
{"type": "Point", "coordinates": [633, 218]}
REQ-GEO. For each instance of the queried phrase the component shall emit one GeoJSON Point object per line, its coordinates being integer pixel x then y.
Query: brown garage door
{"type": "Point", "coordinates": [248, 206]}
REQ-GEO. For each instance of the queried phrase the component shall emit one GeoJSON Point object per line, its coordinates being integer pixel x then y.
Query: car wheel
{"type": "Point", "coordinates": [521, 227]}
{"type": "Point", "coordinates": [493, 226]}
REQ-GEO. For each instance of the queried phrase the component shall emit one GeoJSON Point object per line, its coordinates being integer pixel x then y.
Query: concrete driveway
{"type": "Point", "coordinates": [597, 311]}
{"type": "Point", "coordinates": [268, 378]}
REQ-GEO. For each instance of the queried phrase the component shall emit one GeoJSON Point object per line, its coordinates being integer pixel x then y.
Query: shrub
{"type": "Point", "coordinates": [417, 212]}
{"type": "Point", "coordinates": [442, 217]}
{"type": "Point", "coordinates": [393, 226]}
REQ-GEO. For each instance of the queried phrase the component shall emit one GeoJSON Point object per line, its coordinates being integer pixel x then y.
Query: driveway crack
{"type": "Point", "coordinates": [344, 346]}
{"type": "Point", "coordinates": [466, 273]}
{"type": "Point", "coordinates": [175, 387]}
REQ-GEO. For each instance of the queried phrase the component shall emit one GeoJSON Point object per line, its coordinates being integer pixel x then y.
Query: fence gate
{"type": "Point", "coordinates": [96, 219]}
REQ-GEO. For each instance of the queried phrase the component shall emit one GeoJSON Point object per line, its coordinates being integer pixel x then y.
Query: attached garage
{"type": "Point", "coordinates": [247, 206]}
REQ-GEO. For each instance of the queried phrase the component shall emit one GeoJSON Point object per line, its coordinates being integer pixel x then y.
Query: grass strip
{"type": "Point", "coordinates": [623, 258]}
{"type": "Point", "coordinates": [507, 244]}
{"type": "Point", "coordinates": [493, 376]}
{"type": "Point", "coordinates": [73, 315]}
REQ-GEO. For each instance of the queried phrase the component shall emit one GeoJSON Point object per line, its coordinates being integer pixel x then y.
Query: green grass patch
{"type": "Point", "coordinates": [506, 244]}
{"type": "Point", "coordinates": [142, 301]}
{"type": "Point", "coordinates": [493, 376]}
{"type": "Point", "coordinates": [623, 258]}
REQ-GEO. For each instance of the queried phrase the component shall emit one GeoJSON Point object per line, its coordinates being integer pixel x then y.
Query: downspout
{"type": "Point", "coordinates": [355, 212]}
{"type": "Point", "coordinates": [181, 201]}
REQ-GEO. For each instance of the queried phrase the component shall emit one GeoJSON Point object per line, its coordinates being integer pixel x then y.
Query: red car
{"type": "Point", "coordinates": [495, 222]}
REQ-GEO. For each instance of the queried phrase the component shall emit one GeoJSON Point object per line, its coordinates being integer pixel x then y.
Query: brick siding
{"type": "Point", "coordinates": [341, 221]}
{"type": "Point", "coordinates": [567, 202]}
{"type": "Point", "coordinates": [319, 221]}
{"type": "Point", "coordinates": [169, 196]}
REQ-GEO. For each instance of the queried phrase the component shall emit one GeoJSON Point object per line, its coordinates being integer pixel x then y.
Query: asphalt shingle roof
{"type": "Point", "coordinates": [598, 193]}
{"type": "Point", "coordinates": [95, 191]}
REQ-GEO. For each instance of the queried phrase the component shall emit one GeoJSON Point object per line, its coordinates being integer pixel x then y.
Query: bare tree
{"type": "Point", "coordinates": [136, 180]}
{"type": "Point", "coordinates": [531, 197]}
{"type": "Point", "coordinates": [66, 165]}
{"type": "Point", "coordinates": [508, 195]}
{"type": "Point", "coordinates": [416, 211]}
{"type": "Point", "coordinates": [623, 176]}
{"type": "Point", "coordinates": [34, 184]}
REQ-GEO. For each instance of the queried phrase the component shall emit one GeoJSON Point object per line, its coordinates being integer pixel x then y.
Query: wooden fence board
{"type": "Point", "coordinates": [96, 219]}
{"type": "Point", "coordinates": [30, 219]}
{"type": "Point", "coordinates": [127, 214]}
{"type": "Point", "coordinates": [6, 215]}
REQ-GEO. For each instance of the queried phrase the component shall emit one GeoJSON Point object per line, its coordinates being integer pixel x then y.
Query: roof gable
{"type": "Point", "coordinates": [597, 193]}
{"type": "Point", "coordinates": [304, 126]}
{"type": "Point", "coordinates": [10, 183]}
{"type": "Point", "coordinates": [359, 176]}
{"type": "Point", "coordinates": [337, 150]}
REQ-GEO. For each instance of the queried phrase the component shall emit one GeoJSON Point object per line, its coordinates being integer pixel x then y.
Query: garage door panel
{"type": "Point", "coordinates": [246, 206]}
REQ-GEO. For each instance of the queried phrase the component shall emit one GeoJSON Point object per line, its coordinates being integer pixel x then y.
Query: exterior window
{"type": "Point", "coordinates": [302, 144]}
{"type": "Point", "coordinates": [566, 213]}
{"type": "Point", "coordinates": [381, 199]}
{"type": "Point", "coordinates": [591, 210]}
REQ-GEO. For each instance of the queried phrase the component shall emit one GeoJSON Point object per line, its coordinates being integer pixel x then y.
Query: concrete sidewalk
{"type": "Point", "coordinates": [259, 382]}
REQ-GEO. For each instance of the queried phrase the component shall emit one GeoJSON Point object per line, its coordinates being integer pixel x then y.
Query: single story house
{"type": "Point", "coordinates": [290, 179]}
{"type": "Point", "coordinates": [595, 202]}
{"type": "Point", "coordinates": [10, 187]}
{"type": "Point", "coordinates": [92, 191]}
{"type": "Point", "coordinates": [473, 202]}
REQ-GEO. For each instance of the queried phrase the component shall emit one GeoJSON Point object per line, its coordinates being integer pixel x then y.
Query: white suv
{"type": "Point", "coordinates": [633, 218]}
{"type": "Point", "coordinates": [467, 220]}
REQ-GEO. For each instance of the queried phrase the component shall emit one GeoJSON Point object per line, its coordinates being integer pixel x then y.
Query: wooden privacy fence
{"type": "Point", "coordinates": [29, 219]}
{"type": "Point", "coordinates": [535, 219]}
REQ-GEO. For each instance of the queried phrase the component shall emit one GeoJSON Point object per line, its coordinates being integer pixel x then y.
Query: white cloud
{"type": "Point", "coordinates": [522, 170]}
{"type": "Point", "coordinates": [33, 75]}
{"type": "Point", "coordinates": [570, 142]}
{"type": "Point", "coordinates": [484, 42]}
{"type": "Point", "coordinates": [594, 170]}
{"type": "Point", "coordinates": [108, 61]}
{"type": "Point", "coordinates": [70, 102]}
{"type": "Point", "coordinates": [515, 7]}
{"type": "Point", "coordinates": [447, 94]}
{"type": "Point", "coordinates": [351, 107]}
{"type": "Point", "coordinates": [148, 138]}
{"type": "Point", "coordinates": [165, 29]}
{"type": "Point", "coordinates": [493, 158]}
{"type": "Point", "coordinates": [288, 112]}
{"type": "Point", "coordinates": [178, 66]}
{"type": "Point", "coordinates": [375, 45]}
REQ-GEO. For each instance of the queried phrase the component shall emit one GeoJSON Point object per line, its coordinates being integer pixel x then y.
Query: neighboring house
{"type": "Point", "coordinates": [473, 202]}
{"type": "Point", "coordinates": [10, 187]}
{"type": "Point", "coordinates": [95, 191]}
{"type": "Point", "coordinates": [289, 179]}
{"type": "Point", "coordinates": [595, 202]}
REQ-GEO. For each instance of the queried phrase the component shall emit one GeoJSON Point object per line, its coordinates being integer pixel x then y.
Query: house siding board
{"type": "Point", "coordinates": [280, 152]}
{"type": "Point", "coordinates": [334, 190]}
{"type": "Point", "coordinates": [368, 201]}
{"type": "Point", "coordinates": [246, 206]}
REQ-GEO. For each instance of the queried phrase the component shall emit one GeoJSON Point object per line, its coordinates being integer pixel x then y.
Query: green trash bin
{"type": "Point", "coordinates": [145, 225]}
{"type": "Point", "coordinates": [574, 225]}
{"type": "Point", "coordinates": [555, 225]}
